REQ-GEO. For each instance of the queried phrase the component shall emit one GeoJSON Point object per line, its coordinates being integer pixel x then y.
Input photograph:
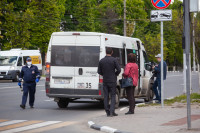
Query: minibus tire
{"type": "Point", "coordinates": [63, 103]}
{"type": "Point", "coordinates": [117, 99]}
{"type": "Point", "coordinates": [150, 94]}
{"type": "Point", "coordinates": [16, 78]}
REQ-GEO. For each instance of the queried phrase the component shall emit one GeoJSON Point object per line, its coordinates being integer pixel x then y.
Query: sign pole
{"type": "Point", "coordinates": [162, 82]}
{"type": "Point", "coordinates": [124, 17]}
{"type": "Point", "coordinates": [187, 50]}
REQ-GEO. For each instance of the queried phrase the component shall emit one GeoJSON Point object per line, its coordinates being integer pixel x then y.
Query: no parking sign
{"type": "Point", "coordinates": [161, 4]}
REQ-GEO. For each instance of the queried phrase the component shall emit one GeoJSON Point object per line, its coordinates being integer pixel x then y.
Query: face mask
{"type": "Point", "coordinates": [29, 63]}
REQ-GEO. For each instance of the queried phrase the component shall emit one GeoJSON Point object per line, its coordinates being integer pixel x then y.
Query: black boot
{"type": "Point", "coordinates": [22, 106]}
{"type": "Point", "coordinates": [108, 113]}
{"type": "Point", "coordinates": [113, 114]}
{"type": "Point", "coordinates": [129, 113]}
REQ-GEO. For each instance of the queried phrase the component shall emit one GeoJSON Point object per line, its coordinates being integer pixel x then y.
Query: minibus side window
{"type": "Point", "coordinates": [146, 60]}
{"type": "Point", "coordinates": [134, 52]}
{"type": "Point", "coordinates": [116, 54]}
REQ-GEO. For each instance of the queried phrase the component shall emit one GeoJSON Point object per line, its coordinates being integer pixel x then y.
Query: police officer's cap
{"type": "Point", "coordinates": [28, 59]}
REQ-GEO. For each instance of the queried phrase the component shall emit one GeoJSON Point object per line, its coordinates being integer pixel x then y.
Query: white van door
{"type": "Point", "coordinates": [87, 59]}
{"type": "Point", "coordinates": [63, 63]}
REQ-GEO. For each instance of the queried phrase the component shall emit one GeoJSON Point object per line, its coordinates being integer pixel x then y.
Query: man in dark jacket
{"type": "Point", "coordinates": [109, 68]}
{"type": "Point", "coordinates": [157, 82]}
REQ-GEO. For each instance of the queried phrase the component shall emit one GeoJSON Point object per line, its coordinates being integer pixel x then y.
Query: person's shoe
{"type": "Point", "coordinates": [108, 113]}
{"type": "Point", "coordinates": [31, 107]}
{"type": "Point", "coordinates": [158, 102]}
{"type": "Point", "coordinates": [22, 106]}
{"type": "Point", "coordinates": [156, 99]}
{"type": "Point", "coordinates": [129, 113]}
{"type": "Point", "coordinates": [113, 114]}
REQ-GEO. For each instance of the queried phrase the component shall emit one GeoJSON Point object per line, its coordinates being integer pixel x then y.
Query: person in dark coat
{"type": "Point", "coordinates": [157, 82]}
{"type": "Point", "coordinates": [30, 76]}
{"type": "Point", "coordinates": [109, 68]}
{"type": "Point", "coordinates": [131, 71]}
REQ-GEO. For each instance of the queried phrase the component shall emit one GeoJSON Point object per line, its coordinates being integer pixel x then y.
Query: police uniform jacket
{"type": "Point", "coordinates": [29, 75]}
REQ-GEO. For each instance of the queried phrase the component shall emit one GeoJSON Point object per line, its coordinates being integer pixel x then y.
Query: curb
{"type": "Point", "coordinates": [104, 128]}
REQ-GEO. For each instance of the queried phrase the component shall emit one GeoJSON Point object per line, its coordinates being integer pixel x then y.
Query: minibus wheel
{"type": "Point", "coordinates": [16, 78]}
{"type": "Point", "coordinates": [150, 94]}
{"type": "Point", "coordinates": [63, 103]}
{"type": "Point", "coordinates": [117, 99]}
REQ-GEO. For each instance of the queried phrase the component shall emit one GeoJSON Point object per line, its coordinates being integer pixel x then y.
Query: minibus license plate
{"type": "Point", "coordinates": [1, 77]}
{"type": "Point", "coordinates": [61, 81]}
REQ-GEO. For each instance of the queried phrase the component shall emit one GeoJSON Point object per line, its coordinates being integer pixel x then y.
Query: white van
{"type": "Point", "coordinates": [72, 61]}
{"type": "Point", "coordinates": [11, 62]}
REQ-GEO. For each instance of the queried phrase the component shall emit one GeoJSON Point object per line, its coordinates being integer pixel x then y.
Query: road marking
{"type": "Point", "coordinates": [48, 100]}
{"type": "Point", "coordinates": [34, 126]}
{"type": "Point", "coordinates": [41, 85]}
{"type": "Point", "coordinates": [3, 120]}
{"type": "Point", "coordinates": [11, 122]}
{"type": "Point", "coordinates": [8, 87]}
{"type": "Point", "coordinates": [123, 108]}
{"type": "Point", "coordinates": [51, 127]}
{"type": "Point", "coordinates": [21, 124]}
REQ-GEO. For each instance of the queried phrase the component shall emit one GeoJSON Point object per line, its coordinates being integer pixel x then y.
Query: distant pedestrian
{"type": "Point", "coordinates": [109, 68]}
{"type": "Point", "coordinates": [30, 76]}
{"type": "Point", "coordinates": [131, 71]}
{"type": "Point", "coordinates": [157, 82]}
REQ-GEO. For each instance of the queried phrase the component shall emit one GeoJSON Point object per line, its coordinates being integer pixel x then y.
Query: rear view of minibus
{"type": "Point", "coordinates": [71, 67]}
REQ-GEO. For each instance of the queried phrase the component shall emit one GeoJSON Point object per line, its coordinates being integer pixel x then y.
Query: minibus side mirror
{"type": "Point", "coordinates": [148, 66]}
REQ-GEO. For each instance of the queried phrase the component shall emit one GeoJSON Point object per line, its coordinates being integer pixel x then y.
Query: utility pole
{"type": "Point", "coordinates": [124, 17]}
{"type": "Point", "coordinates": [193, 38]}
{"type": "Point", "coordinates": [187, 50]}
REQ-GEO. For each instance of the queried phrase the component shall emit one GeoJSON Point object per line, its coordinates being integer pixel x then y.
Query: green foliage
{"type": "Point", "coordinates": [29, 24]}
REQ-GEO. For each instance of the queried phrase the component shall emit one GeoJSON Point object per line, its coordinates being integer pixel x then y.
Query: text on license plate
{"type": "Point", "coordinates": [61, 81]}
{"type": "Point", "coordinates": [1, 77]}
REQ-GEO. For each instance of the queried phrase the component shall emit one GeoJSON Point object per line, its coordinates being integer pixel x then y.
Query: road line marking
{"type": "Point", "coordinates": [11, 122]}
{"type": "Point", "coordinates": [123, 108]}
{"type": "Point", "coordinates": [48, 100]}
{"type": "Point", "coordinates": [3, 120]}
{"type": "Point", "coordinates": [40, 85]}
{"type": "Point", "coordinates": [19, 125]}
{"type": "Point", "coordinates": [20, 129]}
{"type": "Point", "coordinates": [7, 87]}
{"type": "Point", "coordinates": [51, 127]}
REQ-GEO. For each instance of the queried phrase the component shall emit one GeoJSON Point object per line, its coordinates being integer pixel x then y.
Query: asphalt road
{"type": "Point", "coordinates": [47, 117]}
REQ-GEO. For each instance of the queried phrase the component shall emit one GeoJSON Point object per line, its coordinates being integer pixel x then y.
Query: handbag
{"type": "Point", "coordinates": [126, 82]}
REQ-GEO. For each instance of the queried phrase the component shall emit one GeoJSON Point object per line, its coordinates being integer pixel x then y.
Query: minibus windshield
{"type": "Point", "coordinates": [8, 60]}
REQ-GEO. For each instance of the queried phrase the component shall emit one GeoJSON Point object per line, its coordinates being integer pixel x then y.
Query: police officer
{"type": "Point", "coordinates": [30, 76]}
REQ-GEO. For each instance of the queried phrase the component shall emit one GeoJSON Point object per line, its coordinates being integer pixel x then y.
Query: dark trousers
{"type": "Point", "coordinates": [130, 91]}
{"type": "Point", "coordinates": [28, 88]}
{"type": "Point", "coordinates": [157, 92]}
{"type": "Point", "coordinates": [109, 89]}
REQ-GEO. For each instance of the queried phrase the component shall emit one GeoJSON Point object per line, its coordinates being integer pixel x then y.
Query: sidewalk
{"type": "Point", "coordinates": [153, 119]}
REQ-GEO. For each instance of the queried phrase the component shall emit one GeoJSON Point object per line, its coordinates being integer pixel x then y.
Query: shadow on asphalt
{"type": "Point", "coordinates": [94, 105]}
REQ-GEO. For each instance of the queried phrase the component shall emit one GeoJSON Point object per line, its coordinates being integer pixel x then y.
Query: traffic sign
{"type": "Point", "coordinates": [161, 4]}
{"type": "Point", "coordinates": [161, 15]}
